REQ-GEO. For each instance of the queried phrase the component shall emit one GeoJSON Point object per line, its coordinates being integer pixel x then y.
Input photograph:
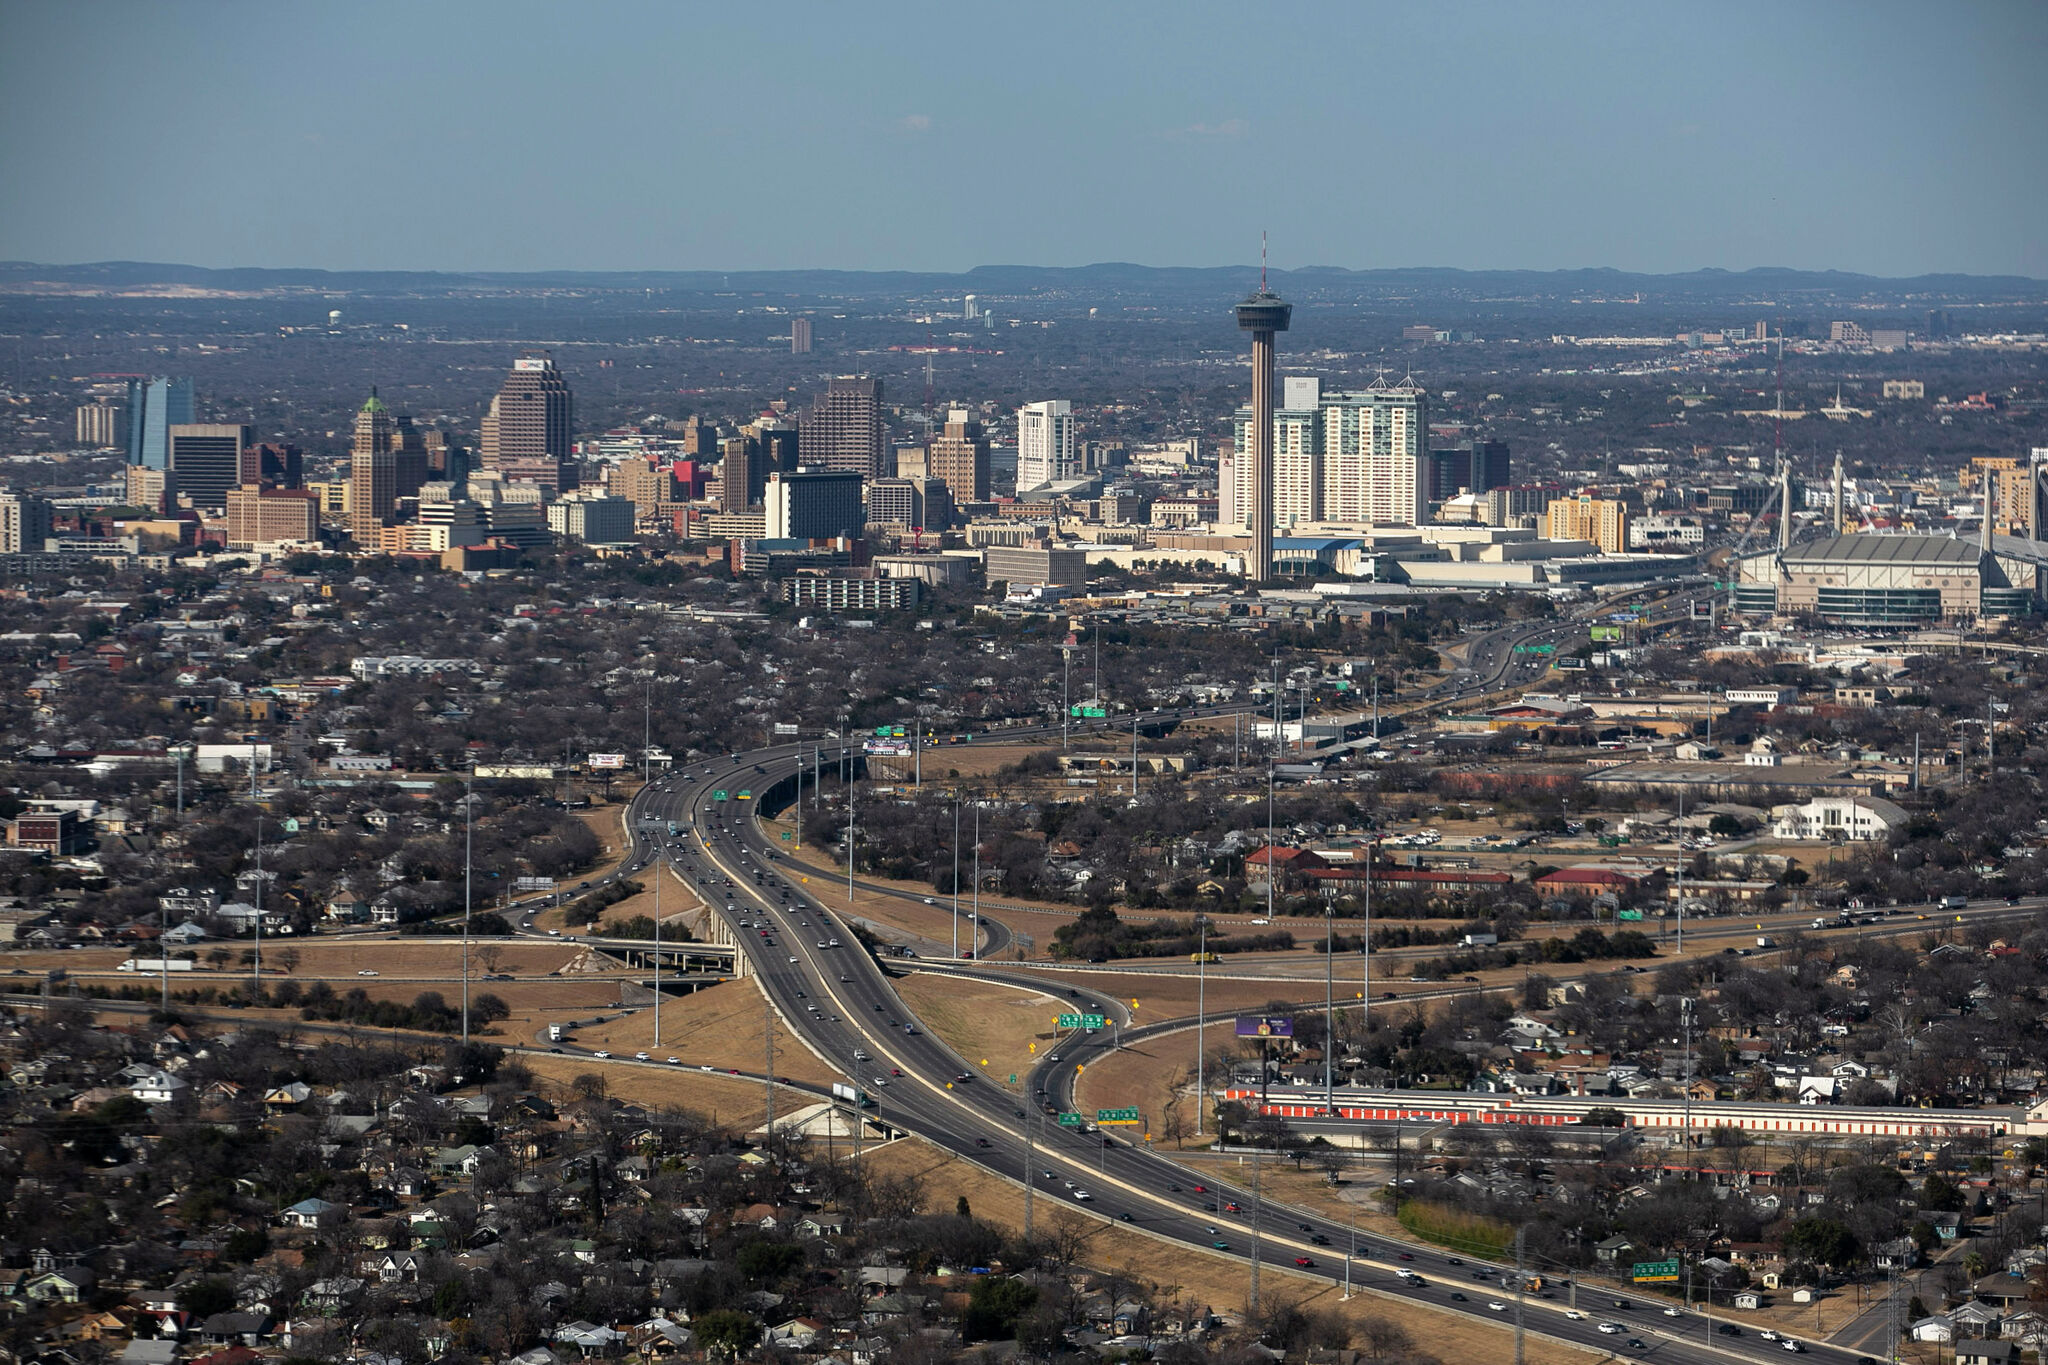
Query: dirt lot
{"type": "Point", "coordinates": [722, 1026]}
{"type": "Point", "coordinates": [1177, 1272]}
{"type": "Point", "coordinates": [1002, 1029]}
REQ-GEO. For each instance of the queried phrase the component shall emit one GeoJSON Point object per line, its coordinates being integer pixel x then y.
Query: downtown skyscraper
{"type": "Point", "coordinates": [527, 434]}
{"type": "Point", "coordinates": [154, 407]}
{"type": "Point", "coordinates": [845, 429]}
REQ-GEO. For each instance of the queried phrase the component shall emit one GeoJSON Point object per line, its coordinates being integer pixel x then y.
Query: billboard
{"type": "Point", "coordinates": [532, 772]}
{"type": "Point", "coordinates": [606, 760]}
{"type": "Point", "coordinates": [1607, 635]}
{"type": "Point", "coordinates": [784, 731]}
{"type": "Point", "coordinates": [1261, 1026]}
{"type": "Point", "coordinates": [888, 748]}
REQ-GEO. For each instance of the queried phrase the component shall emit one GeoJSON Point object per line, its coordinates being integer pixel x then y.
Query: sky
{"type": "Point", "coordinates": [1880, 137]}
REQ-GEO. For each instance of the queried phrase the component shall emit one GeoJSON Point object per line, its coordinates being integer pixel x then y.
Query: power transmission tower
{"type": "Point", "coordinates": [1521, 1282]}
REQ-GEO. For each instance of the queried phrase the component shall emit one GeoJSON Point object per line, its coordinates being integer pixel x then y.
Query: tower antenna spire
{"type": "Point", "coordinates": [1262, 260]}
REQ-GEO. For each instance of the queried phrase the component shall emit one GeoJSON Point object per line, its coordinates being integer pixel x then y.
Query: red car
{"type": "Point", "coordinates": [1305, 1262]}
{"type": "Point", "coordinates": [1201, 1189]}
{"type": "Point", "coordinates": [1231, 1207]}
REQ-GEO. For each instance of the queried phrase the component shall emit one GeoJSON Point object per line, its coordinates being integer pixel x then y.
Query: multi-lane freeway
{"type": "Point", "coordinates": [839, 1000]}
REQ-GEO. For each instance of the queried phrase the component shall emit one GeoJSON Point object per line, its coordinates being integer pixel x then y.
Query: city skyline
{"type": "Point", "coordinates": [1599, 136]}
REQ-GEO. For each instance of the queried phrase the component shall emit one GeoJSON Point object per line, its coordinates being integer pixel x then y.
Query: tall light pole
{"type": "Point", "coordinates": [956, 873]}
{"type": "Point", "coordinates": [468, 882]}
{"type": "Point", "coordinates": [851, 768]}
{"type": "Point", "coordinates": [1201, 1016]}
{"type": "Point", "coordinates": [1330, 1002]}
{"type": "Point", "coordinates": [258, 959]}
{"type": "Point", "coordinates": [658, 868]}
{"type": "Point", "coordinates": [974, 940]}
{"type": "Point", "coordinates": [1066, 705]}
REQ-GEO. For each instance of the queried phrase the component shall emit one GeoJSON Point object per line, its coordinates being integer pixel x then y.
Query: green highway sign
{"type": "Point", "coordinates": [1087, 712]}
{"type": "Point", "coordinates": [1630, 915]}
{"type": "Point", "coordinates": [787, 836]}
{"type": "Point", "coordinates": [1070, 1120]}
{"type": "Point", "coordinates": [719, 795]}
{"type": "Point", "coordinates": [1116, 1116]}
{"type": "Point", "coordinates": [1654, 1271]}
{"type": "Point", "coordinates": [1081, 1021]}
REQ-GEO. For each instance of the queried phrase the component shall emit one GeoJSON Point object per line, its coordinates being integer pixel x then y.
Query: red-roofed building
{"type": "Point", "coordinates": [1587, 881]}
{"type": "Point", "coordinates": [1296, 861]}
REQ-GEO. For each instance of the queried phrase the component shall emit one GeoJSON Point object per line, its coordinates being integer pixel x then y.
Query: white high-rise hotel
{"type": "Point", "coordinates": [1350, 457]}
{"type": "Point", "coordinates": [1046, 450]}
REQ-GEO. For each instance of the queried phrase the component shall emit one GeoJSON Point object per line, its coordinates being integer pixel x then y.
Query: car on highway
{"type": "Point", "coordinates": [1728, 1329]}
{"type": "Point", "coordinates": [366, 972]}
{"type": "Point", "coordinates": [1220, 1245]}
{"type": "Point", "coordinates": [1612, 1329]}
{"type": "Point", "coordinates": [1305, 1262]}
{"type": "Point", "coordinates": [1768, 1335]}
{"type": "Point", "coordinates": [1636, 1344]}
{"type": "Point", "coordinates": [1496, 1306]}
{"type": "Point", "coordinates": [1456, 1297]}
{"type": "Point", "coordinates": [605, 1055]}
{"type": "Point", "coordinates": [983, 1142]}
{"type": "Point", "coordinates": [642, 1057]}
{"type": "Point", "coordinates": [880, 1081]}
{"type": "Point", "coordinates": [1575, 1315]}
{"type": "Point", "coordinates": [1674, 1312]}
{"type": "Point", "coordinates": [1794, 1347]}
{"type": "Point", "coordinates": [675, 1061]}
{"type": "Point", "coordinates": [1319, 1239]}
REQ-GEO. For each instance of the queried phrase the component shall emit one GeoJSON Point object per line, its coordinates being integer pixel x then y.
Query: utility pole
{"type": "Point", "coordinates": [1066, 705]}
{"type": "Point", "coordinates": [1134, 751]}
{"type": "Point", "coordinates": [956, 873]}
{"type": "Point", "coordinates": [974, 934]}
{"type": "Point", "coordinates": [768, 1047]}
{"type": "Point", "coordinates": [851, 769]}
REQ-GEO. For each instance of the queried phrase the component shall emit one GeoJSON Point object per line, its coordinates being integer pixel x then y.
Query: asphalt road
{"type": "Point", "coordinates": [840, 1001]}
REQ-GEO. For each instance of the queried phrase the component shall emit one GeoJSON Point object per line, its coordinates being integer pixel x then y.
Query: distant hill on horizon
{"type": "Point", "coordinates": [1109, 279]}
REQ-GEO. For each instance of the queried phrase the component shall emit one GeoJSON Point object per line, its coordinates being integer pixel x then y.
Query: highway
{"type": "Point", "coordinates": [840, 1002]}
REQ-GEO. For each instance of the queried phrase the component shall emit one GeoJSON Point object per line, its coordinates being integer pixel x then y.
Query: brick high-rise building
{"type": "Point", "coordinates": [1585, 517]}
{"type": "Point", "coordinates": [372, 471]}
{"type": "Point", "coordinates": [526, 434]}
{"type": "Point", "coordinates": [959, 457]}
{"type": "Point", "coordinates": [741, 474]}
{"type": "Point", "coordinates": [845, 430]}
{"type": "Point", "coordinates": [263, 516]}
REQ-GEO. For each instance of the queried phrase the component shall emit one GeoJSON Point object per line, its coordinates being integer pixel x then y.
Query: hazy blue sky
{"type": "Point", "coordinates": [441, 134]}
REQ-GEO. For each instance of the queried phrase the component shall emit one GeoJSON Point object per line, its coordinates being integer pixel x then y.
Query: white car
{"type": "Point", "coordinates": [1768, 1335]}
{"type": "Point", "coordinates": [366, 972]}
{"type": "Point", "coordinates": [1083, 1196]}
{"type": "Point", "coordinates": [880, 1081]}
{"type": "Point", "coordinates": [1575, 1315]}
{"type": "Point", "coordinates": [1612, 1329]}
{"type": "Point", "coordinates": [1674, 1312]}
{"type": "Point", "coordinates": [675, 1061]}
{"type": "Point", "coordinates": [605, 1055]}
{"type": "Point", "coordinates": [1794, 1347]}
{"type": "Point", "coordinates": [1496, 1306]}
{"type": "Point", "coordinates": [642, 1057]}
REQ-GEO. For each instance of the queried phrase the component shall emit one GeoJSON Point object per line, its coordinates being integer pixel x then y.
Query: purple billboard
{"type": "Point", "coordinates": [1259, 1026]}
